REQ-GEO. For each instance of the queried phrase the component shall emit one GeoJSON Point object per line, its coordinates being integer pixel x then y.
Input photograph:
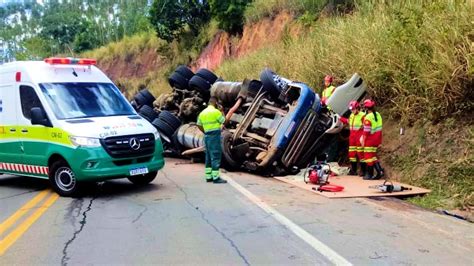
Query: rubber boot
{"type": "Point", "coordinates": [353, 170]}
{"type": "Point", "coordinates": [380, 171]}
{"type": "Point", "coordinates": [219, 181]}
{"type": "Point", "coordinates": [370, 173]}
{"type": "Point", "coordinates": [363, 168]}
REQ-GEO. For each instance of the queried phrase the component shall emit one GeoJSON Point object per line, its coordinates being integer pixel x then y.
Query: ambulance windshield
{"type": "Point", "coordinates": [82, 100]}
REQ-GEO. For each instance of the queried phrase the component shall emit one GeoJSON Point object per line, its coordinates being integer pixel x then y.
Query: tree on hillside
{"type": "Point", "coordinates": [170, 17]}
{"type": "Point", "coordinates": [229, 13]}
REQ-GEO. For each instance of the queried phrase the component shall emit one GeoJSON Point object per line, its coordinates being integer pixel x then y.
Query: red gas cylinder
{"type": "Point", "coordinates": [313, 176]}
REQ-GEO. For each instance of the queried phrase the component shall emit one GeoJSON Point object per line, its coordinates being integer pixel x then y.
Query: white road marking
{"type": "Point", "coordinates": [319, 246]}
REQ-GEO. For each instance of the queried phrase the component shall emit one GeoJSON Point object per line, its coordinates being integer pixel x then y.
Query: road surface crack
{"type": "Point", "coordinates": [203, 216]}
{"type": "Point", "coordinates": [145, 208]}
{"type": "Point", "coordinates": [82, 223]}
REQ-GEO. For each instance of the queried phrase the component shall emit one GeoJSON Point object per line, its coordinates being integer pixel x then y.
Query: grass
{"type": "Point", "coordinates": [441, 158]}
{"type": "Point", "coordinates": [128, 50]}
{"type": "Point", "coordinates": [415, 62]}
{"type": "Point", "coordinates": [260, 9]}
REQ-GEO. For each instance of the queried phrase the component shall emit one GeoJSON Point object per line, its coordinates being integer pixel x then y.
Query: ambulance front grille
{"type": "Point", "coordinates": [129, 146]}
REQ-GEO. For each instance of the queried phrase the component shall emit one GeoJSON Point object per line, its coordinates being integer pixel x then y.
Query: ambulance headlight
{"type": "Point", "coordinates": [157, 135]}
{"type": "Point", "coordinates": [85, 142]}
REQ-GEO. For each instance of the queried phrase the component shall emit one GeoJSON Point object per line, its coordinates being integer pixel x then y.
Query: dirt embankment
{"type": "Point", "coordinates": [254, 36]}
{"type": "Point", "coordinates": [132, 66]}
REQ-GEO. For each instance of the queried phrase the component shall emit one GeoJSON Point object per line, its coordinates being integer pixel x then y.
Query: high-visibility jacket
{"type": "Point", "coordinates": [327, 92]}
{"type": "Point", "coordinates": [210, 119]}
{"type": "Point", "coordinates": [356, 127]}
{"type": "Point", "coordinates": [373, 129]}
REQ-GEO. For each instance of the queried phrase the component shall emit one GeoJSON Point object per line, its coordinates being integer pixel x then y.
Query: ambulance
{"type": "Point", "coordinates": [64, 120]}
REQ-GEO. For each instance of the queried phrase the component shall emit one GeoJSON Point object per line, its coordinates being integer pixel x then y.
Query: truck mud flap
{"type": "Point", "coordinates": [300, 142]}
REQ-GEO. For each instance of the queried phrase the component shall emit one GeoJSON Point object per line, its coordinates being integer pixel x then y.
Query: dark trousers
{"type": "Point", "coordinates": [212, 140]}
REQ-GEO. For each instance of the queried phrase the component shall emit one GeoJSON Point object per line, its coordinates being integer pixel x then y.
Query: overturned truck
{"type": "Point", "coordinates": [275, 125]}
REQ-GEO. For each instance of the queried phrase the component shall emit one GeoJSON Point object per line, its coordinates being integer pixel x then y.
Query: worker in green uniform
{"type": "Point", "coordinates": [210, 121]}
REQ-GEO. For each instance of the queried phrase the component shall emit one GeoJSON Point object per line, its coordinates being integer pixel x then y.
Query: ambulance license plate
{"type": "Point", "coordinates": [139, 171]}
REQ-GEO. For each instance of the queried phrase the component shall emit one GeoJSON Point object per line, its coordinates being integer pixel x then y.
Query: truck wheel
{"type": "Point", "coordinates": [148, 113]}
{"type": "Point", "coordinates": [142, 180]}
{"type": "Point", "coordinates": [177, 81]}
{"type": "Point", "coordinates": [200, 84]}
{"type": "Point", "coordinates": [170, 119]}
{"type": "Point", "coordinates": [163, 127]}
{"type": "Point", "coordinates": [269, 83]}
{"type": "Point", "coordinates": [185, 72]}
{"type": "Point", "coordinates": [63, 179]}
{"type": "Point", "coordinates": [228, 161]}
{"type": "Point", "coordinates": [207, 75]}
{"type": "Point", "coordinates": [147, 96]}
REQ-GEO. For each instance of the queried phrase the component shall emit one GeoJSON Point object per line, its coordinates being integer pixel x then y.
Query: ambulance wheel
{"type": "Point", "coordinates": [63, 179]}
{"type": "Point", "coordinates": [142, 180]}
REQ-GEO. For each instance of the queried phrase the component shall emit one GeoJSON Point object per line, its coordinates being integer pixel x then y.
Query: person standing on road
{"type": "Point", "coordinates": [356, 129]}
{"type": "Point", "coordinates": [371, 140]}
{"type": "Point", "coordinates": [328, 89]}
{"type": "Point", "coordinates": [210, 121]}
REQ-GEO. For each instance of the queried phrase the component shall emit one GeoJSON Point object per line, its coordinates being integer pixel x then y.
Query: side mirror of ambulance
{"type": "Point", "coordinates": [38, 117]}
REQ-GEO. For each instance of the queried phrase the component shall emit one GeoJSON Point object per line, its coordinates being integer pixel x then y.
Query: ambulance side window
{"type": "Point", "coordinates": [29, 99]}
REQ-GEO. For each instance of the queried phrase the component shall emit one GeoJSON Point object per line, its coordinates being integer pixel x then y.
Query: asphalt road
{"type": "Point", "coordinates": [180, 219]}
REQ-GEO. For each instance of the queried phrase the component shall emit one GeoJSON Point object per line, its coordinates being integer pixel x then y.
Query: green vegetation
{"type": "Point", "coordinates": [415, 63]}
{"type": "Point", "coordinates": [129, 51]}
{"type": "Point", "coordinates": [171, 17]}
{"type": "Point", "coordinates": [229, 14]}
{"type": "Point", "coordinates": [441, 158]}
{"type": "Point", "coordinates": [260, 9]}
{"type": "Point", "coordinates": [30, 30]}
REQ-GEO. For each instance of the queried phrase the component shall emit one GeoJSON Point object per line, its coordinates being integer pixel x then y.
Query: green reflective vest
{"type": "Point", "coordinates": [375, 126]}
{"type": "Point", "coordinates": [355, 121]}
{"type": "Point", "coordinates": [210, 119]}
{"type": "Point", "coordinates": [328, 92]}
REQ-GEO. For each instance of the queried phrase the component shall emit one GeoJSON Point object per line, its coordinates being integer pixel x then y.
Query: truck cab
{"type": "Point", "coordinates": [64, 120]}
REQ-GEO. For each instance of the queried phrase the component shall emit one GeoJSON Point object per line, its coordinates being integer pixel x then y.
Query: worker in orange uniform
{"type": "Point", "coordinates": [356, 127]}
{"type": "Point", "coordinates": [328, 89]}
{"type": "Point", "coordinates": [371, 140]}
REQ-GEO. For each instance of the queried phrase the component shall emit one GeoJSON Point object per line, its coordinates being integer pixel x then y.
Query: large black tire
{"type": "Point", "coordinates": [227, 159]}
{"type": "Point", "coordinates": [141, 180]}
{"type": "Point", "coordinates": [140, 100]}
{"type": "Point", "coordinates": [163, 128]}
{"type": "Point", "coordinates": [149, 98]}
{"type": "Point", "coordinates": [200, 84]}
{"type": "Point", "coordinates": [207, 75]}
{"type": "Point", "coordinates": [269, 84]}
{"type": "Point", "coordinates": [177, 81]}
{"type": "Point", "coordinates": [185, 72]}
{"type": "Point", "coordinates": [170, 119]}
{"type": "Point", "coordinates": [63, 179]}
{"type": "Point", "coordinates": [148, 113]}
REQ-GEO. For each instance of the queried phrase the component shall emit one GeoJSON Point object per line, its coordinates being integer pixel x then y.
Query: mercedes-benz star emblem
{"type": "Point", "coordinates": [134, 144]}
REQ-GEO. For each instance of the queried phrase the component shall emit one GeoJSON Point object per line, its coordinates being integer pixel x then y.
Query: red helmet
{"type": "Point", "coordinates": [353, 105]}
{"type": "Point", "coordinates": [328, 78]}
{"type": "Point", "coordinates": [369, 103]}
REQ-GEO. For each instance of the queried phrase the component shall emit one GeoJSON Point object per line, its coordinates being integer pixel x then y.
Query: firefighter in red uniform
{"type": "Point", "coordinates": [371, 140]}
{"type": "Point", "coordinates": [328, 90]}
{"type": "Point", "coordinates": [356, 152]}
